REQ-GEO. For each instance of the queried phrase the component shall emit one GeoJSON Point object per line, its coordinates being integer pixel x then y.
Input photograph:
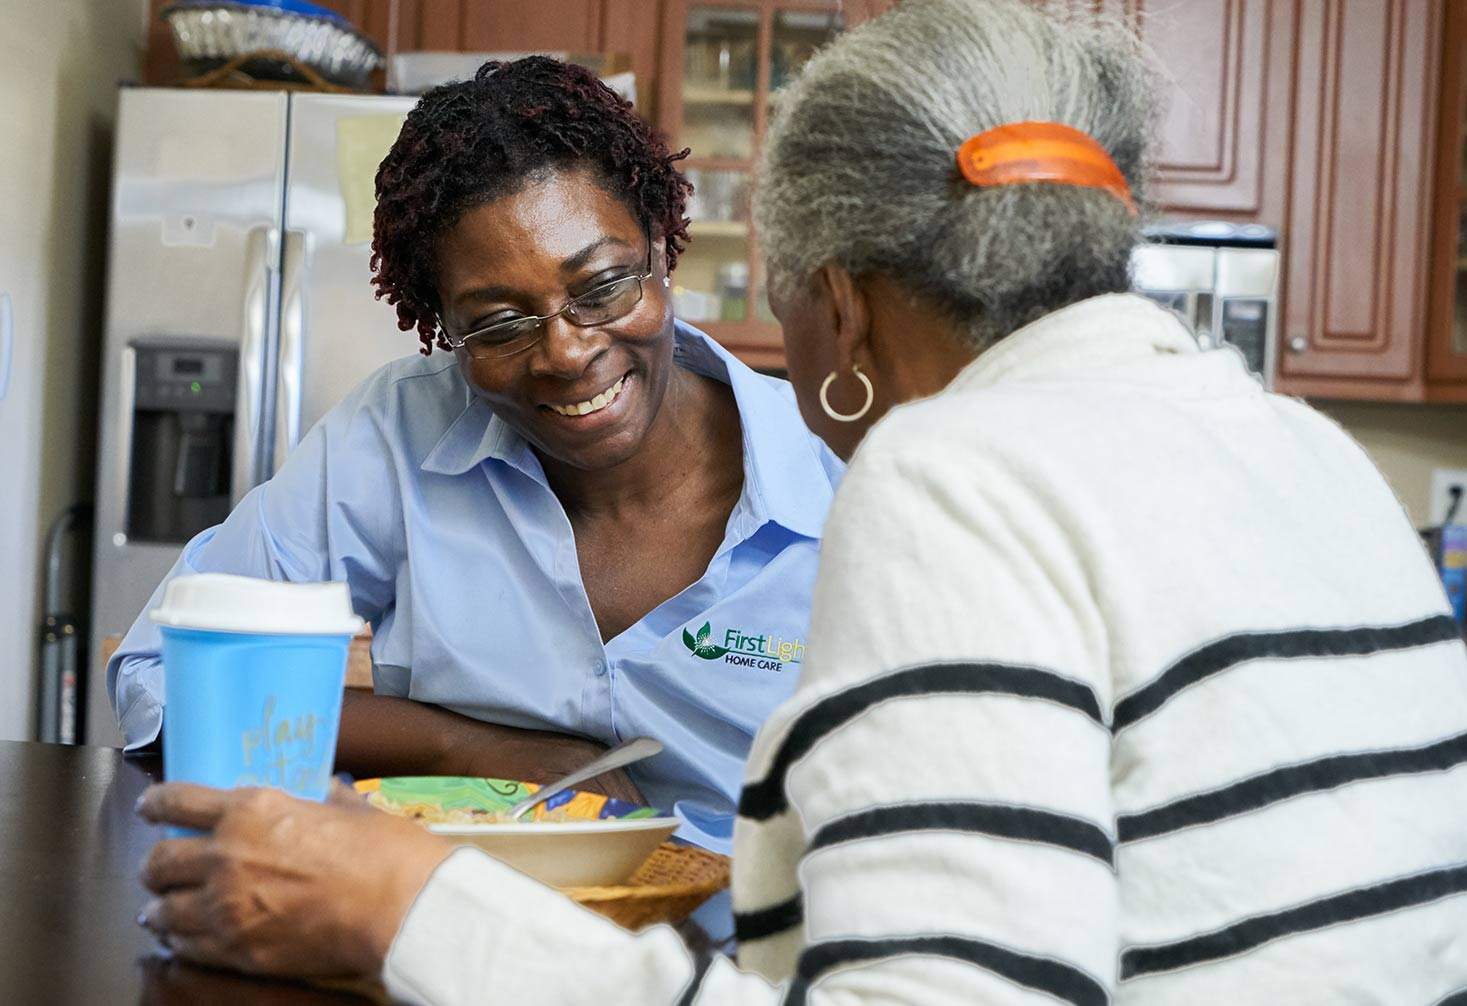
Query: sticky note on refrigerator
{"type": "Point", "coordinates": [361, 143]}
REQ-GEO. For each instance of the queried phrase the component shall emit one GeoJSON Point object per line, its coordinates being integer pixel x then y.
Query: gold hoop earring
{"type": "Point", "coordinates": [844, 417]}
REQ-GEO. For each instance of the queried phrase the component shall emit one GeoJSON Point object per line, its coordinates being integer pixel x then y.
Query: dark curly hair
{"type": "Point", "coordinates": [468, 143]}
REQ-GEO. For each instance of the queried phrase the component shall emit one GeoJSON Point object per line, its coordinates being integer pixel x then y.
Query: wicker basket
{"type": "Point", "coordinates": [667, 888]}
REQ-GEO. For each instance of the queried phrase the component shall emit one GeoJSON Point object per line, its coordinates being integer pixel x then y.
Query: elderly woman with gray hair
{"type": "Point", "coordinates": [1127, 679]}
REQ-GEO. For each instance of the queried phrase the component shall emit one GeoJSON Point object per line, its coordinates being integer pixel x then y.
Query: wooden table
{"type": "Point", "coordinates": [70, 850]}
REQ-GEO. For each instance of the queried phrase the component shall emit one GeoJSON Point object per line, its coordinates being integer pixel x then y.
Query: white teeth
{"type": "Point", "coordinates": [596, 404]}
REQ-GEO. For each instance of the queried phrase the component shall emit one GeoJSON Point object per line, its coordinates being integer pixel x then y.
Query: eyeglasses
{"type": "Point", "coordinates": [600, 305]}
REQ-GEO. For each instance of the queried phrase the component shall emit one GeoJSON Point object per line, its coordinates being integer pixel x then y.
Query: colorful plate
{"type": "Point", "coordinates": [496, 796]}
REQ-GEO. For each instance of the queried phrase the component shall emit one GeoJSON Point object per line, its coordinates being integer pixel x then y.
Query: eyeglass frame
{"type": "Point", "coordinates": [542, 321]}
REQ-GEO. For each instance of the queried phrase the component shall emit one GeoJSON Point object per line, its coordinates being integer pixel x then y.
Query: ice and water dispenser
{"type": "Point", "coordinates": [182, 437]}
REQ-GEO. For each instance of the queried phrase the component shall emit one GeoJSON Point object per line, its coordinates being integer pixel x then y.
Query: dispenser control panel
{"type": "Point", "coordinates": [186, 379]}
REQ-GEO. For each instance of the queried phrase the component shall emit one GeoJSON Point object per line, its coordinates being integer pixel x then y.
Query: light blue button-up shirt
{"type": "Point", "coordinates": [439, 517]}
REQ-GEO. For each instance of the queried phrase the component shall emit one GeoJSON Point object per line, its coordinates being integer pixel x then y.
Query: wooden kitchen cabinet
{"type": "Point", "coordinates": [1446, 334]}
{"type": "Point", "coordinates": [1342, 124]}
{"type": "Point", "coordinates": [723, 65]}
{"type": "Point", "coordinates": [857, 11]}
{"type": "Point", "coordinates": [1357, 236]}
{"type": "Point", "coordinates": [1221, 150]}
{"type": "Point", "coordinates": [604, 26]}
{"type": "Point", "coordinates": [1320, 118]}
{"type": "Point", "coordinates": [1215, 155]}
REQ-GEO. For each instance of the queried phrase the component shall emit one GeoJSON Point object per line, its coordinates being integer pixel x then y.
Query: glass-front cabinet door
{"type": "Point", "coordinates": [724, 67]}
{"type": "Point", "coordinates": [1446, 355]}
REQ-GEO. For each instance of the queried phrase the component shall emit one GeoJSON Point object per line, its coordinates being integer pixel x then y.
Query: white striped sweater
{"type": "Point", "coordinates": [1127, 682]}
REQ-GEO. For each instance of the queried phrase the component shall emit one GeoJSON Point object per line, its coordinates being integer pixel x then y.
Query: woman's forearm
{"type": "Point", "coordinates": [383, 735]}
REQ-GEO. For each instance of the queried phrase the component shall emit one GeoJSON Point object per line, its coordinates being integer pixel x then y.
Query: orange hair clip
{"type": "Point", "coordinates": [1023, 152]}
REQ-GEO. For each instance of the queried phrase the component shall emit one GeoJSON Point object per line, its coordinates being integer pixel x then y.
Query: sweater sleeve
{"type": "Point", "coordinates": [481, 933]}
{"type": "Point", "coordinates": [944, 767]}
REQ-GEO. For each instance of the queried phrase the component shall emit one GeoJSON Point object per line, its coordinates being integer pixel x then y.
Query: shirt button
{"type": "Point", "coordinates": [598, 667]}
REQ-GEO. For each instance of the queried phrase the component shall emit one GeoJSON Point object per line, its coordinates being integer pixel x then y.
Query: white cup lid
{"type": "Point", "coordinates": [221, 602]}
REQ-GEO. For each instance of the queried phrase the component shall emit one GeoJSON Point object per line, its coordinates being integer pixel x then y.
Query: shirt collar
{"type": "Point", "coordinates": [1093, 334]}
{"type": "Point", "coordinates": [476, 436]}
{"type": "Point", "coordinates": [784, 479]}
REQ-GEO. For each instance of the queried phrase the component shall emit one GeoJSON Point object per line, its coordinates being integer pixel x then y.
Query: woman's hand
{"type": "Point", "coordinates": [282, 886]}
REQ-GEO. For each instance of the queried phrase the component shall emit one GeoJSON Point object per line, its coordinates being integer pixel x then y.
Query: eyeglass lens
{"type": "Point", "coordinates": [606, 303]}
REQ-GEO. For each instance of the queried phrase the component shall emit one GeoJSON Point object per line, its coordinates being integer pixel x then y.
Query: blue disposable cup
{"type": "Point", "coordinates": [247, 710]}
{"type": "Point", "coordinates": [253, 708]}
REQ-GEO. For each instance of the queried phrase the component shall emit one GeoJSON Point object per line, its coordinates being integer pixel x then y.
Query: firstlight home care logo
{"type": "Point", "coordinates": [742, 649]}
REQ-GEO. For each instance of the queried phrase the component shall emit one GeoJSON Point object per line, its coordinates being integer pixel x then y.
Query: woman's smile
{"type": "Point", "coordinates": [595, 412]}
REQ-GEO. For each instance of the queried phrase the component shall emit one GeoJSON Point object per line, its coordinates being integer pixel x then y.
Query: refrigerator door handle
{"type": "Point", "coordinates": [122, 489]}
{"type": "Point", "coordinates": [288, 400]}
{"type": "Point", "coordinates": [261, 257]}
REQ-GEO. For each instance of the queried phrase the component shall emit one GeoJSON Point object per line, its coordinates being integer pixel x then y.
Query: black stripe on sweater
{"type": "Point", "coordinates": [1289, 781]}
{"type": "Point", "coordinates": [1025, 824]}
{"type": "Point", "coordinates": [766, 798]}
{"type": "Point", "coordinates": [1230, 651]}
{"type": "Point", "coordinates": [1063, 981]}
{"type": "Point", "coordinates": [771, 921]}
{"type": "Point", "coordinates": [1249, 934]}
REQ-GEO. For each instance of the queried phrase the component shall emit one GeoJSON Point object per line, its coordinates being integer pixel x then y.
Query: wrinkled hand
{"type": "Point", "coordinates": [282, 886]}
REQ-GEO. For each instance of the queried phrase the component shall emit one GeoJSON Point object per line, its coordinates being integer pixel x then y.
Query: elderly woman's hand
{"type": "Point", "coordinates": [282, 886]}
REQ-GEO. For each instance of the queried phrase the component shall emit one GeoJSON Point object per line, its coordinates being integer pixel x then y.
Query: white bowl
{"type": "Point", "coordinates": [568, 853]}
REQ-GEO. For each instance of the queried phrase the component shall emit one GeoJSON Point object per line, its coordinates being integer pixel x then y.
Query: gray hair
{"type": "Point", "coordinates": [860, 165]}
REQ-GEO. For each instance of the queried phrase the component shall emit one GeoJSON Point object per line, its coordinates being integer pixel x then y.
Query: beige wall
{"type": "Point", "coordinates": [60, 61]}
{"type": "Point", "coordinates": [1407, 442]}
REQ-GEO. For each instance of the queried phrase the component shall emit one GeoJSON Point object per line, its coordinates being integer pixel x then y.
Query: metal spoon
{"type": "Point", "coordinates": [619, 756]}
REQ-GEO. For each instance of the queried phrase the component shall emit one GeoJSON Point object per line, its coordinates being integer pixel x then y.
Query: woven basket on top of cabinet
{"type": "Point", "coordinates": [668, 888]}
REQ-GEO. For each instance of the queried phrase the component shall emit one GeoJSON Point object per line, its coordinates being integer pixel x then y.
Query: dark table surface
{"type": "Point", "coordinates": [70, 850]}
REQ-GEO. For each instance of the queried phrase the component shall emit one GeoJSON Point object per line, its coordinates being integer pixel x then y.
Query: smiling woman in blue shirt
{"type": "Point", "coordinates": [581, 520]}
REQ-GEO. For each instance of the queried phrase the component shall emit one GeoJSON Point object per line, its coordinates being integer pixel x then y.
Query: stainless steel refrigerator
{"type": "Point", "coordinates": [239, 310]}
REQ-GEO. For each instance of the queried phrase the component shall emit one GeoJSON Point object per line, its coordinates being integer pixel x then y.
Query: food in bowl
{"type": "Point", "coordinates": [451, 799]}
{"type": "Point", "coordinates": [429, 813]}
{"type": "Point", "coordinates": [574, 839]}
